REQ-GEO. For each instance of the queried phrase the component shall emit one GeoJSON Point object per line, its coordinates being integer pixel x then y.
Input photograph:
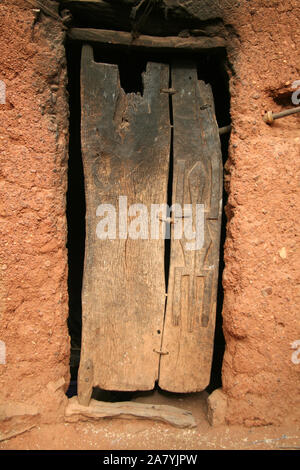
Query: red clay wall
{"type": "Point", "coordinates": [261, 278]}
{"type": "Point", "coordinates": [33, 266]}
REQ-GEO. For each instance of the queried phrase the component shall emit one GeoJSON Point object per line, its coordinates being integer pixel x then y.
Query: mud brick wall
{"type": "Point", "coordinates": [33, 183]}
{"type": "Point", "coordinates": [261, 278]}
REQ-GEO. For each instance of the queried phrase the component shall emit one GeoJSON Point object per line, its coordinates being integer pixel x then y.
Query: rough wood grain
{"type": "Point", "coordinates": [130, 410]}
{"type": "Point", "coordinates": [99, 13]}
{"type": "Point", "coordinates": [165, 44]}
{"type": "Point", "coordinates": [125, 148]}
{"type": "Point", "coordinates": [190, 315]}
{"type": "Point", "coordinates": [168, 17]}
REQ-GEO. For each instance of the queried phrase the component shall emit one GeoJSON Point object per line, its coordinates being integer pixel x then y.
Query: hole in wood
{"type": "Point", "coordinates": [131, 71]}
{"type": "Point", "coordinates": [131, 67]}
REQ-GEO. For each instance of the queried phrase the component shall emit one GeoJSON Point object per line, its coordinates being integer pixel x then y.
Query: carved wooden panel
{"type": "Point", "coordinates": [187, 343]}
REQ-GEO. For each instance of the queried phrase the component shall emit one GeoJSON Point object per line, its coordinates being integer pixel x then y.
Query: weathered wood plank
{"type": "Point", "coordinates": [165, 44]}
{"type": "Point", "coordinates": [130, 410]}
{"type": "Point", "coordinates": [125, 148]}
{"type": "Point", "coordinates": [48, 8]}
{"type": "Point", "coordinates": [166, 18]}
{"type": "Point", "coordinates": [190, 315]}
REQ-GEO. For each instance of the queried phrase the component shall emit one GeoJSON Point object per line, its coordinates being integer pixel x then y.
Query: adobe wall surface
{"type": "Point", "coordinates": [261, 277]}
{"type": "Point", "coordinates": [33, 181]}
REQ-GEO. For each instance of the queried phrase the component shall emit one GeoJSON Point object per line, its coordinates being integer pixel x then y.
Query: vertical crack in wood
{"type": "Point", "coordinates": [168, 241]}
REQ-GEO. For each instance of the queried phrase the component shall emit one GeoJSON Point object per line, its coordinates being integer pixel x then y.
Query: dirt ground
{"type": "Point", "coordinates": [133, 434]}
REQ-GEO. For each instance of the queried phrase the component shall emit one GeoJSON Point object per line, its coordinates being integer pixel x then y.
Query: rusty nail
{"type": "Point", "coordinates": [269, 117]}
{"type": "Point", "coordinates": [168, 220]}
{"type": "Point", "coordinates": [224, 130]}
{"type": "Point", "coordinates": [163, 353]}
{"type": "Point", "coordinates": [171, 91]}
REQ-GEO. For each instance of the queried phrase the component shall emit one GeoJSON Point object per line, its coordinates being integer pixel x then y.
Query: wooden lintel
{"type": "Point", "coordinates": [168, 43]}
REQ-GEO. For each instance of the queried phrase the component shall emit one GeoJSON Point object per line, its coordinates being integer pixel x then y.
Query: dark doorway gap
{"type": "Point", "coordinates": [169, 190]}
{"type": "Point", "coordinates": [211, 69]}
{"type": "Point", "coordinates": [75, 207]}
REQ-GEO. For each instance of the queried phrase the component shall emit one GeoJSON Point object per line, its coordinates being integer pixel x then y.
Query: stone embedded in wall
{"type": "Point", "coordinates": [53, 386]}
{"type": "Point", "coordinates": [217, 406]}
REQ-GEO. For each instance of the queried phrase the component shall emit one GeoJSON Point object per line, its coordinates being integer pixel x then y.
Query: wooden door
{"type": "Point", "coordinates": [125, 148]}
{"type": "Point", "coordinates": [193, 277]}
{"type": "Point", "coordinates": [129, 341]}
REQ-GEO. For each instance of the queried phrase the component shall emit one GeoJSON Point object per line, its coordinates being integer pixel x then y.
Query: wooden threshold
{"type": "Point", "coordinates": [166, 44]}
{"type": "Point", "coordinates": [129, 410]}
